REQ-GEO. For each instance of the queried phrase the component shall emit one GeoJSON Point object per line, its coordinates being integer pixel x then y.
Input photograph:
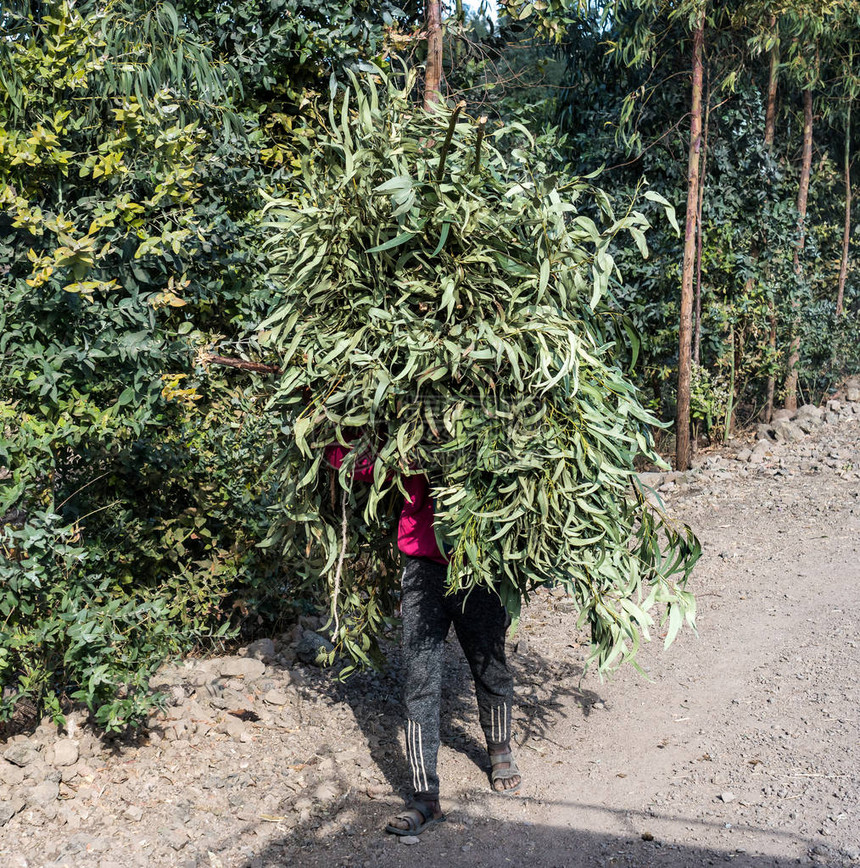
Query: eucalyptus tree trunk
{"type": "Point", "coordinates": [433, 69]}
{"type": "Point", "coordinates": [802, 198]}
{"type": "Point", "coordinates": [685, 329]}
{"type": "Point", "coordinates": [846, 234]}
{"type": "Point", "coordinates": [697, 313]}
{"type": "Point", "coordinates": [769, 132]}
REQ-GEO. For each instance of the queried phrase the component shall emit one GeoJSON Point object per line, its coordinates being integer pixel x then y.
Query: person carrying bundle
{"type": "Point", "coordinates": [428, 611]}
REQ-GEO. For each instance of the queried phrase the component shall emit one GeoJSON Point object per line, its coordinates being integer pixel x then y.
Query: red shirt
{"type": "Point", "coordinates": [415, 534]}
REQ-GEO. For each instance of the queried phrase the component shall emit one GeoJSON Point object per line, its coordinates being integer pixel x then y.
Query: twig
{"type": "Point", "coordinates": [339, 570]}
{"type": "Point", "coordinates": [91, 482]}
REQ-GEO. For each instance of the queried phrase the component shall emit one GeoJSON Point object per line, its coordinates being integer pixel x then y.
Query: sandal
{"type": "Point", "coordinates": [418, 815]}
{"type": "Point", "coordinates": [497, 774]}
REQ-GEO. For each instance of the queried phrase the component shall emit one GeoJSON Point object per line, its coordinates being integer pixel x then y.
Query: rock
{"type": "Point", "coordinates": [262, 649]}
{"type": "Point", "coordinates": [9, 809]}
{"type": "Point", "coordinates": [176, 838]}
{"type": "Point", "coordinates": [276, 697]}
{"type": "Point", "coordinates": [232, 726]}
{"type": "Point", "coordinates": [242, 667]}
{"type": "Point", "coordinates": [788, 432]}
{"type": "Point", "coordinates": [852, 395]}
{"type": "Point", "coordinates": [21, 754]}
{"type": "Point", "coordinates": [834, 406]}
{"type": "Point", "coordinates": [68, 815]}
{"type": "Point", "coordinates": [744, 455]}
{"type": "Point", "coordinates": [409, 840]}
{"type": "Point", "coordinates": [727, 797]}
{"type": "Point", "coordinates": [808, 424]}
{"type": "Point", "coordinates": [176, 730]}
{"type": "Point", "coordinates": [11, 775]}
{"type": "Point", "coordinates": [809, 410]}
{"type": "Point", "coordinates": [192, 711]}
{"type": "Point", "coordinates": [133, 813]}
{"type": "Point", "coordinates": [783, 415]}
{"type": "Point", "coordinates": [303, 804]}
{"type": "Point", "coordinates": [43, 794]}
{"type": "Point", "coordinates": [326, 792]}
{"type": "Point", "coordinates": [831, 417]}
{"type": "Point", "coordinates": [651, 480]}
{"type": "Point", "coordinates": [66, 752]}
{"type": "Point", "coordinates": [760, 451]}
{"type": "Point", "coordinates": [40, 771]}
{"type": "Point", "coordinates": [765, 432]}
{"type": "Point", "coordinates": [312, 646]}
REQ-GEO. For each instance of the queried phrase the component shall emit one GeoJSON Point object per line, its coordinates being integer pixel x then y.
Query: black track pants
{"type": "Point", "coordinates": [480, 621]}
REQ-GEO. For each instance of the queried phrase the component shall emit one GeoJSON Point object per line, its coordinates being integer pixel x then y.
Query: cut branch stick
{"type": "Point", "coordinates": [482, 126]}
{"type": "Point", "coordinates": [242, 364]}
{"type": "Point", "coordinates": [448, 136]}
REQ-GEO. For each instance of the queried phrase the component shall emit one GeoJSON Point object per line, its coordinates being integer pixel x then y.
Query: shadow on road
{"type": "Point", "coordinates": [542, 691]}
{"type": "Point", "coordinates": [469, 841]}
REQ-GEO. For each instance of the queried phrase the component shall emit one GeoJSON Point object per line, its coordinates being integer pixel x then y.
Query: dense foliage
{"type": "Point", "coordinates": [128, 487]}
{"type": "Point", "coordinates": [626, 109]}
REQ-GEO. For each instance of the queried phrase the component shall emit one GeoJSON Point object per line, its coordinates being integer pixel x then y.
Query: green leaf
{"type": "Point", "coordinates": [402, 238]}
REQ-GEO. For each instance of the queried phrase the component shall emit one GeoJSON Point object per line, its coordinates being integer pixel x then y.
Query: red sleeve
{"type": "Point", "coordinates": [363, 469]}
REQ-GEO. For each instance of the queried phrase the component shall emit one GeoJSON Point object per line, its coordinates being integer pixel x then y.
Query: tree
{"type": "Point", "coordinates": [433, 69]}
{"type": "Point", "coordinates": [682, 418]}
{"type": "Point", "coordinates": [802, 200]}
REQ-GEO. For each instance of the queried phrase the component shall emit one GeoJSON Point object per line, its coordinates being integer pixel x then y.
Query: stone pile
{"type": "Point", "coordinates": [784, 446]}
{"type": "Point", "coordinates": [268, 699]}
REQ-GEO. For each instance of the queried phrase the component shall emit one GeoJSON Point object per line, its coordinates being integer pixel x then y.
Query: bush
{"type": "Point", "coordinates": [131, 499]}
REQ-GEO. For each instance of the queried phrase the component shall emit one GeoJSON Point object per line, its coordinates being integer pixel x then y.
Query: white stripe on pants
{"type": "Point", "coordinates": [415, 750]}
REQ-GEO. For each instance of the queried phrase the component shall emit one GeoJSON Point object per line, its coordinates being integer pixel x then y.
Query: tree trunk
{"type": "Point", "coordinates": [802, 198]}
{"type": "Point", "coordinates": [697, 313]}
{"type": "Point", "coordinates": [770, 115]}
{"type": "Point", "coordinates": [769, 132]}
{"type": "Point", "coordinates": [433, 68]}
{"type": "Point", "coordinates": [685, 329]}
{"type": "Point", "coordinates": [846, 233]}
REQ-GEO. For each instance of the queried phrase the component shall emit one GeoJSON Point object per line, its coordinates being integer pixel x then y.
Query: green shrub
{"type": "Point", "coordinates": [131, 499]}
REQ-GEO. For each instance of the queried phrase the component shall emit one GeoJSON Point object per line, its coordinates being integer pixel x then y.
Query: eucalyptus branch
{"type": "Point", "coordinates": [482, 126]}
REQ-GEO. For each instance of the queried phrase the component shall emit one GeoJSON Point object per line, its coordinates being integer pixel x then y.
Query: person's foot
{"type": "Point", "coordinates": [418, 815]}
{"type": "Point", "coordinates": [504, 774]}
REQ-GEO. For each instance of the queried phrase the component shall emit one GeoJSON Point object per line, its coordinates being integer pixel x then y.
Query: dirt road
{"type": "Point", "coordinates": [744, 746]}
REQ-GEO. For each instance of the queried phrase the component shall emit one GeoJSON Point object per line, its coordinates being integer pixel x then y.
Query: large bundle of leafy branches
{"type": "Point", "coordinates": [445, 309]}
